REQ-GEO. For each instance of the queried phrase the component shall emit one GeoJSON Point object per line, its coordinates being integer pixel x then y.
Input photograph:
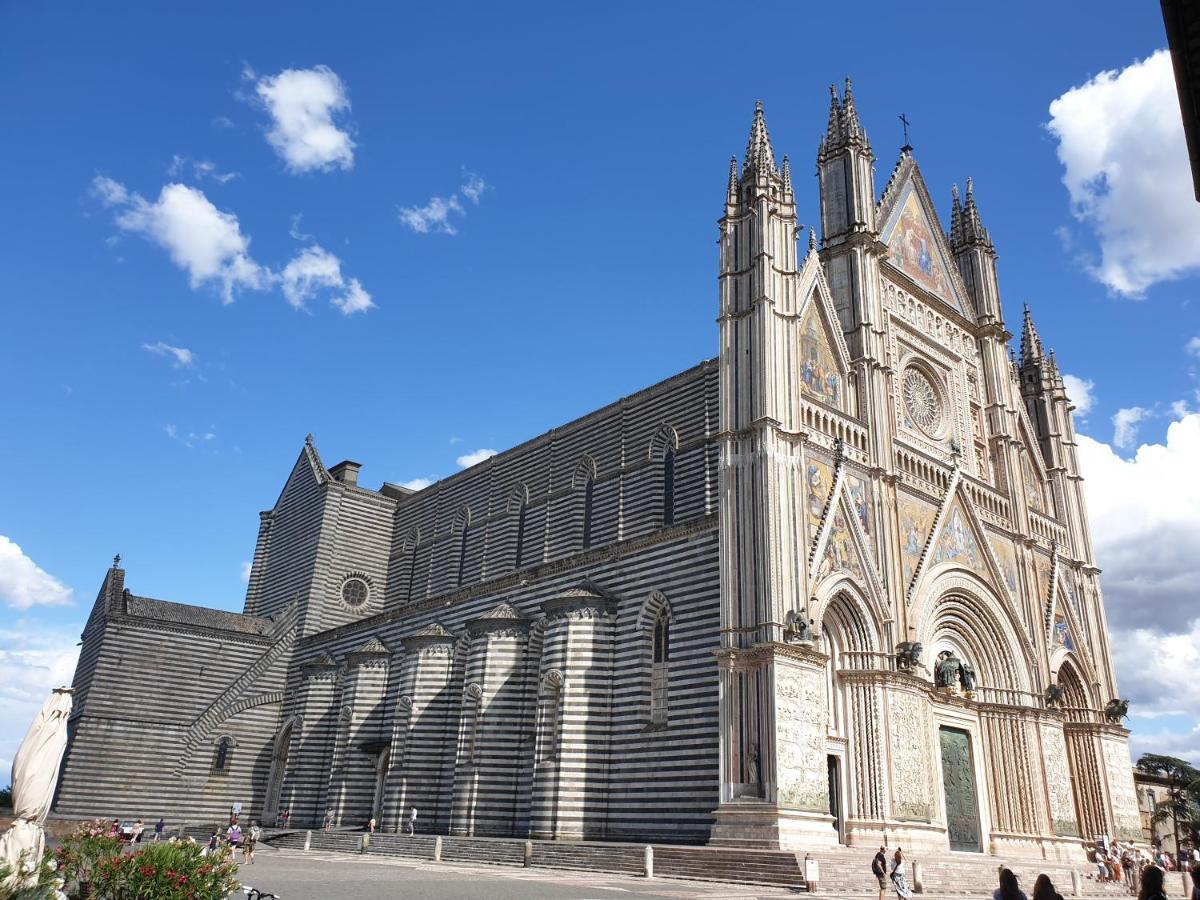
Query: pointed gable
{"type": "Point", "coordinates": [915, 241]}
{"type": "Point", "coordinates": [958, 543]}
{"type": "Point", "coordinates": [842, 552]}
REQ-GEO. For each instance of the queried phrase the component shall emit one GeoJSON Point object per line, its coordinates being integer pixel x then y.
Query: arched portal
{"type": "Point", "coordinates": [279, 762]}
{"type": "Point", "coordinates": [850, 638]}
{"type": "Point", "coordinates": [1083, 762]}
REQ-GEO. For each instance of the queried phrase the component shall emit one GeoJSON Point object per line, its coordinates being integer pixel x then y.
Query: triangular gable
{"type": "Point", "coordinates": [916, 523]}
{"type": "Point", "coordinates": [959, 539]}
{"type": "Point", "coordinates": [824, 359]}
{"type": "Point", "coordinates": [842, 544]}
{"type": "Point", "coordinates": [308, 468]}
{"type": "Point", "coordinates": [917, 245]}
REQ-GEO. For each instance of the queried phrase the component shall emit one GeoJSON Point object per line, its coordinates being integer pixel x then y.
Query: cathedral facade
{"type": "Point", "coordinates": [835, 585]}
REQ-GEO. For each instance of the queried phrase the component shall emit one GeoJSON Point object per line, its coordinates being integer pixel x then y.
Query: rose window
{"type": "Point", "coordinates": [921, 401]}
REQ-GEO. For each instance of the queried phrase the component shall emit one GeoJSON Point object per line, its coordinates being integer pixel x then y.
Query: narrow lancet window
{"type": "Point", "coordinates": [658, 670]}
{"type": "Point", "coordinates": [589, 489]}
{"type": "Point", "coordinates": [669, 487]}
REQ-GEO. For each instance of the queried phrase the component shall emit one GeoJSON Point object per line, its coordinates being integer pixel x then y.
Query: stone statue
{"type": "Point", "coordinates": [967, 676]}
{"type": "Point", "coordinates": [752, 766]}
{"type": "Point", "coordinates": [798, 628]}
{"type": "Point", "coordinates": [1054, 695]}
{"type": "Point", "coordinates": [908, 655]}
{"type": "Point", "coordinates": [1116, 710]}
{"type": "Point", "coordinates": [948, 670]}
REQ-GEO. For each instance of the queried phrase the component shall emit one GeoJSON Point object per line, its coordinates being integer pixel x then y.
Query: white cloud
{"type": "Point", "coordinates": [202, 240]}
{"type": "Point", "coordinates": [417, 484]}
{"type": "Point", "coordinates": [24, 584]}
{"type": "Point", "coordinates": [434, 216]}
{"type": "Point", "coordinates": [35, 658]}
{"type": "Point", "coordinates": [1120, 140]}
{"type": "Point", "coordinates": [202, 168]}
{"type": "Point", "coordinates": [469, 459]}
{"type": "Point", "coordinates": [1125, 425]}
{"type": "Point", "coordinates": [354, 300]}
{"type": "Point", "coordinates": [302, 104]}
{"type": "Point", "coordinates": [315, 269]}
{"type": "Point", "coordinates": [1145, 519]}
{"type": "Point", "coordinates": [191, 439]}
{"type": "Point", "coordinates": [1080, 391]}
{"type": "Point", "coordinates": [1193, 346]}
{"type": "Point", "coordinates": [246, 567]}
{"type": "Point", "coordinates": [181, 357]}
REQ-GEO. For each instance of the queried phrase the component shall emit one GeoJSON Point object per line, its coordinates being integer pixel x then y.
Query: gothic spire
{"type": "Point", "coordinates": [1031, 344]}
{"type": "Point", "coordinates": [731, 192]}
{"type": "Point", "coordinates": [787, 175]}
{"type": "Point", "coordinates": [955, 216]}
{"type": "Point", "coordinates": [759, 154]}
{"type": "Point", "coordinates": [851, 127]}
{"type": "Point", "coordinates": [844, 126]}
{"type": "Point", "coordinates": [834, 127]}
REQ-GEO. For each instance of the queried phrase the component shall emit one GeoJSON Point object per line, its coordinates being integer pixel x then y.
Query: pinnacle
{"type": "Point", "coordinates": [731, 190]}
{"type": "Point", "coordinates": [759, 154]}
{"type": "Point", "coordinates": [1031, 343]}
{"type": "Point", "coordinates": [787, 175]}
{"type": "Point", "coordinates": [844, 126]}
{"type": "Point", "coordinates": [966, 229]}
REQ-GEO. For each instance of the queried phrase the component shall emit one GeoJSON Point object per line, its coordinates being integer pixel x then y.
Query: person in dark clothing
{"type": "Point", "coordinates": [1009, 888]}
{"type": "Point", "coordinates": [1043, 889]}
{"type": "Point", "coordinates": [879, 870]}
{"type": "Point", "coordinates": [1152, 884]}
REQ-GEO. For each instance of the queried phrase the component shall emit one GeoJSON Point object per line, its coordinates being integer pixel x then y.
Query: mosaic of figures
{"type": "Point", "coordinates": [1033, 485]}
{"type": "Point", "coordinates": [957, 543]}
{"type": "Point", "coordinates": [914, 249]}
{"type": "Point", "coordinates": [1061, 634]}
{"type": "Point", "coordinates": [820, 377]}
{"type": "Point", "coordinates": [1041, 567]}
{"type": "Point", "coordinates": [840, 551]}
{"type": "Point", "coordinates": [818, 480]}
{"type": "Point", "coordinates": [916, 521]}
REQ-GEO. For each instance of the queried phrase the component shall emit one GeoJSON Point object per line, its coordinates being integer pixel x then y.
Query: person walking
{"type": "Point", "coordinates": [899, 876]}
{"type": "Point", "coordinates": [879, 870]}
{"type": "Point", "coordinates": [371, 826]}
{"type": "Point", "coordinates": [411, 826]}
{"type": "Point", "coordinates": [234, 836]}
{"type": "Point", "coordinates": [1152, 884]}
{"type": "Point", "coordinates": [1043, 889]}
{"type": "Point", "coordinates": [250, 843]}
{"type": "Point", "coordinates": [212, 844]}
{"type": "Point", "coordinates": [138, 827]}
{"type": "Point", "coordinates": [159, 826]}
{"type": "Point", "coordinates": [1009, 888]}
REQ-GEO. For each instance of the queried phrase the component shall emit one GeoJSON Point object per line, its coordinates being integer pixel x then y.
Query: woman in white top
{"type": "Point", "coordinates": [899, 879]}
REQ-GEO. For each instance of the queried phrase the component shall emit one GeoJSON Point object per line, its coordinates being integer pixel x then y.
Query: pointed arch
{"type": "Point", "coordinates": [518, 512]}
{"type": "Point", "coordinates": [408, 555]}
{"type": "Point", "coordinates": [662, 450]}
{"type": "Point", "coordinates": [462, 528]}
{"type": "Point", "coordinates": [583, 482]}
{"type": "Point", "coordinates": [958, 610]}
{"type": "Point", "coordinates": [654, 620]}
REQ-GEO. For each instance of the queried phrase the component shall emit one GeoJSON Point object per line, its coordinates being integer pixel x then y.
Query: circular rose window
{"type": "Point", "coordinates": [354, 592]}
{"type": "Point", "coordinates": [922, 404]}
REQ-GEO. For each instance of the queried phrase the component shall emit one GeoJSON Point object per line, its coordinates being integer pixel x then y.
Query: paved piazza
{"type": "Point", "coordinates": [297, 875]}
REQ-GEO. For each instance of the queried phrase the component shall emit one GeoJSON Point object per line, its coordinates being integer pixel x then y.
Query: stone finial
{"type": "Point", "coordinates": [308, 439]}
{"type": "Point", "coordinates": [117, 561]}
{"type": "Point", "coordinates": [787, 175]}
{"type": "Point", "coordinates": [812, 239]}
{"type": "Point", "coordinates": [731, 191]}
{"type": "Point", "coordinates": [759, 154]}
{"type": "Point", "coordinates": [1031, 343]}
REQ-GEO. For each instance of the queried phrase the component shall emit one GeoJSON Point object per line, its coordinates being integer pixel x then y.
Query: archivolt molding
{"type": "Point", "coordinates": [655, 604]}
{"type": "Point", "coordinates": [865, 610]}
{"type": "Point", "coordinates": [962, 603]}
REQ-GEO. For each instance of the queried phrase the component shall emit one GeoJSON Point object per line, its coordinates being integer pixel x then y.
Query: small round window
{"type": "Point", "coordinates": [355, 592]}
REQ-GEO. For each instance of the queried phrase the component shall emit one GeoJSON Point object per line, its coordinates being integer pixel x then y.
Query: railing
{"type": "Point", "coordinates": [1047, 528]}
{"type": "Point", "coordinates": [991, 505]}
{"type": "Point", "coordinates": [836, 425]}
{"type": "Point", "coordinates": [933, 477]}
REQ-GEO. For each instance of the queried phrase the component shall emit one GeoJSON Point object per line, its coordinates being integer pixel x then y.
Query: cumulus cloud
{"type": "Point", "coordinates": [313, 270]}
{"type": "Point", "coordinates": [246, 567]}
{"type": "Point", "coordinates": [435, 216]}
{"type": "Point", "coordinates": [181, 357]}
{"type": "Point", "coordinates": [1081, 393]}
{"type": "Point", "coordinates": [24, 584]}
{"type": "Point", "coordinates": [1145, 518]}
{"type": "Point", "coordinates": [35, 658]}
{"type": "Point", "coordinates": [1125, 425]}
{"type": "Point", "coordinates": [202, 240]}
{"type": "Point", "coordinates": [1121, 144]}
{"type": "Point", "coordinates": [477, 456]}
{"type": "Point", "coordinates": [303, 104]}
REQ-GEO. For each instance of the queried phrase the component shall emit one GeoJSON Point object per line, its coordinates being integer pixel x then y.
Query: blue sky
{"type": "Point", "coordinates": [579, 153]}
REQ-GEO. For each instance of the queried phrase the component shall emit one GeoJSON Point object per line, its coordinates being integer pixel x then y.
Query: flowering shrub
{"type": "Point", "coordinates": [40, 882]}
{"type": "Point", "coordinates": [96, 866]}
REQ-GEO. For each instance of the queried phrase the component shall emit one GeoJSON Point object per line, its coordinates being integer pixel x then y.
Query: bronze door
{"type": "Point", "coordinates": [962, 800]}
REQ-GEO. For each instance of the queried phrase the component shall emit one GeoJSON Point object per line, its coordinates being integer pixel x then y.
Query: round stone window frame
{"type": "Point", "coordinates": [941, 427]}
{"type": "Point", "coordinates": [349, 582]}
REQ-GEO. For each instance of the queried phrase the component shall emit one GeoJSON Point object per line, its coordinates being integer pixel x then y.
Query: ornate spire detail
{"type": "Point", "coordinates": [969, 231]}
{"type": "Point", "coordinates": [731, 192]}
{"type": "Point", "coordinates": [812, 239]}
{"type": "Point", "coordinates": [787, 176]}
{"type": "Point", "coordinates": [834, 128]}
{"type": "Point", "coordinates": [1031, 344]}
{"type": "Point", "coordinates": [759, 154]}
{"type": "Point", "coordinates": [851, 127]}
{"type": "Point", "coordinates": [844, 127]}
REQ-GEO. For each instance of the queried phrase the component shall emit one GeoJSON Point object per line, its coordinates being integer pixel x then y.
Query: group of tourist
{"type": "Point", "coordinates": [237, 839]}
{"type": "Point", "coordinates": [1143, 875]}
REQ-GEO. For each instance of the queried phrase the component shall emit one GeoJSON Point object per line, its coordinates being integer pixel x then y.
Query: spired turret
{"type": "Point", "coordinates": [975, 256]}
{"type": "Point", "coordinates": [845, 168]}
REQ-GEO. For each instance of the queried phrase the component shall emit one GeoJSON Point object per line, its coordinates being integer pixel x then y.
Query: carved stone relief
{"type": "Point", "coordinates": [800, 738]}
{"type": "Point", "coordinates": [1120, 785]}
{"type": "Point", "coordinates": [1058, 782]}
{"type": "Point", "coordinates": [912, 777]}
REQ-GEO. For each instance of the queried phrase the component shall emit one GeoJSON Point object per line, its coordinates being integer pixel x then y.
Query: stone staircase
{"type": "Point", "coordinates": [846, 872]}
{"type": "Point", "coordinates": [760, 867]}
